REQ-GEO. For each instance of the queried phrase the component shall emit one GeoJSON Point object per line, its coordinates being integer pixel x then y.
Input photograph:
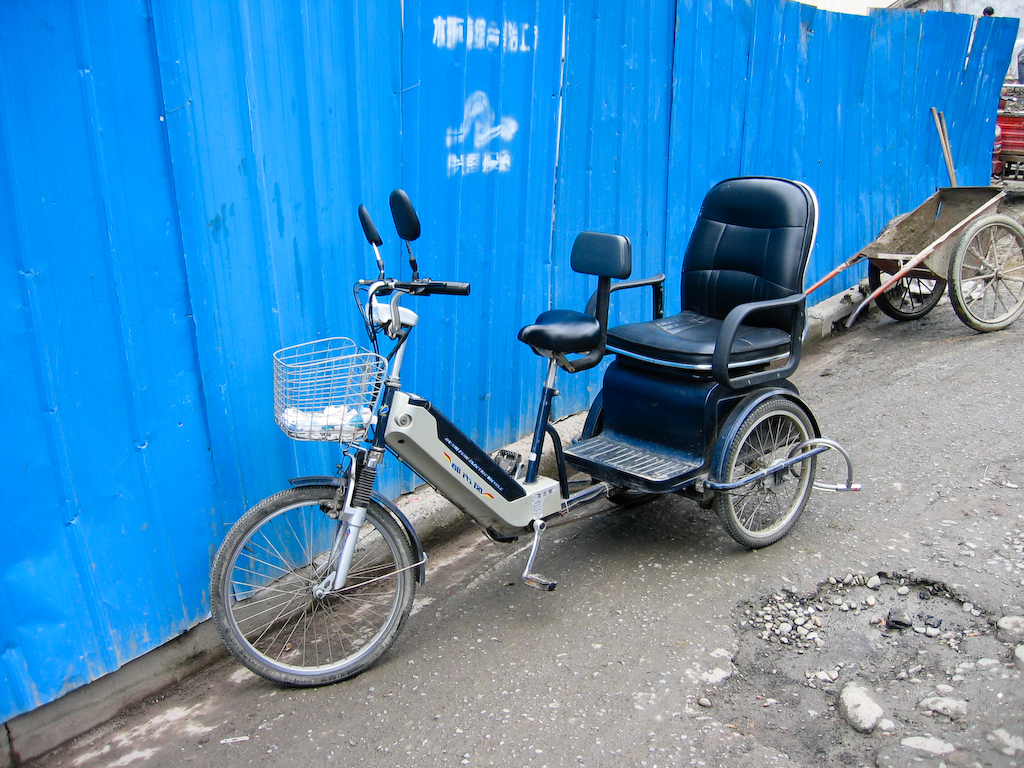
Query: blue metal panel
{"type": "Point", "coordinates": [106, 548]}
{"type": "Point", "coordinates": [613, 158]}
{"type": "Point", "coordinates": [840, 102]}
{"type": "Point", "coordinates": [282, 118]}
{"type": "Point", "coordinates": [480, 115]}
{"type": "Point", "coordinates": [973, 129]}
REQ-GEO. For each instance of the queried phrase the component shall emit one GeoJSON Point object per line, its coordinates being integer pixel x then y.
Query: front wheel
{"type": "Point", "coordinates": [267, 599]}
{"type": "Point", "coordinates": [986, 274]}
{"type": "Point", "coordinates": [762, 512]}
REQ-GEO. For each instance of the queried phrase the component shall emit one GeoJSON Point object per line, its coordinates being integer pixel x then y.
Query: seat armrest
{"type": "Point", "coordinates": [727, 335]}
{"type": "Point", "coordinates": [598, 307]}
{"type": "Point", "coordinates": [658, 300]}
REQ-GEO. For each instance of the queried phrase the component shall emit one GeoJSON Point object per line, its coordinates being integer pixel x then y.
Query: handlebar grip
{"type": "Point", "coordinates": [430, 287]}
{"type": "Point", "coordinates": [449, 288]}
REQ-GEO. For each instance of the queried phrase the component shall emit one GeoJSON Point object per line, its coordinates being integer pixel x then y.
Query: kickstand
{"type": "Point", "coordinates": [535, 580]}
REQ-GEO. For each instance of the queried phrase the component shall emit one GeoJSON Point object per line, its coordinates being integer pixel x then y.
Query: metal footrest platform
{"type": "Point", "coordinates": [653, 469]}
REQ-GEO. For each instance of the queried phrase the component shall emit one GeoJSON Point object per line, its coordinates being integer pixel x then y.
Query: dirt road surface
{"type": "Point", "coordinates": [868, 637]}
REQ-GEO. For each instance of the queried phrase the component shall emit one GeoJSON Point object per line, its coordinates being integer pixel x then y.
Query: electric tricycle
{"type": "Point", "coordinates": [313, 584]}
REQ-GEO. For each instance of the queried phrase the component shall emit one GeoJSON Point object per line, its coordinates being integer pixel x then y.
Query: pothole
{"type": "Point", "coordinates": [889, 602]}
{"type": "Point", "coordinates": [927, 656]}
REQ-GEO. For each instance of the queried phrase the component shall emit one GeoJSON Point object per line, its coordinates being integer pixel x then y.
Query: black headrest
{"type": "Point", "coordinates": [605, 255]}
{"type": "Point", "coordinates": [758, 202]}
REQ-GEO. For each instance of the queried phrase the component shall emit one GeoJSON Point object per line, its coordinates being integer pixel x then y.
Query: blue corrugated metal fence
{"type": "Point", "coordinates": [178, 186]}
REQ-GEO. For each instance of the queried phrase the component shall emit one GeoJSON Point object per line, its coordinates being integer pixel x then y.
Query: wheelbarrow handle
{"type": "Point", "coordinates": [845, 265]}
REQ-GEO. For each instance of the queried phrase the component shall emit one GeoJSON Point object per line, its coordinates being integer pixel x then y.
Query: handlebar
{"type": "Point", "coordinates": [424, 287]}
{"type": "Point", "coordinates": [428, 287]}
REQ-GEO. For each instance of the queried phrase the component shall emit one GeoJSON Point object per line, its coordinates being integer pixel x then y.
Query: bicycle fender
{"type": "Point", "coordinates": [386, 504]}
{"type": "Point", "coordinates": [730, 430]}
{"type": "Point", "coordinates": [594, 417]}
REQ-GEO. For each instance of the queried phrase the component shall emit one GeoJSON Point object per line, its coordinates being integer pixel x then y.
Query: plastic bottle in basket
{"type": "Point", "coordinates": [335, 422]}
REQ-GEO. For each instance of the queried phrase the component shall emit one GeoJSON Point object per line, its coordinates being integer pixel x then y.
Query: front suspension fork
{"type": "Point", "coordinates": [352, 514]}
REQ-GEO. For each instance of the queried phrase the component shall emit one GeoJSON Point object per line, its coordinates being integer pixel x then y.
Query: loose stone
{"type": "Point", "coordinates": [874, 582]}
{"type": "Point", "coordinates": [928, 744]}
{"type": "Point", "coordinates": [898, 619]}
{"type": "Point", "coordinates": [858, 708]}
{"type": "Point", "coordinates": [1006, 742]}
{"type": "Point", "coordinates": [1010, 629]}
{"type": "Point", "coordinates": [954, 709]}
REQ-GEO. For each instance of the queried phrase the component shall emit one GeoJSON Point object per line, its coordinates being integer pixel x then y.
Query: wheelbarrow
{"type": "Point", "coordinates": [956, 238]}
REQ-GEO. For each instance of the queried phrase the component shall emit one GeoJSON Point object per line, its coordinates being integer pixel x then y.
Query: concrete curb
{"type": "Point", "coordinates": [35, 733]}
{"type": "Point", "coordinates": [829, 317]}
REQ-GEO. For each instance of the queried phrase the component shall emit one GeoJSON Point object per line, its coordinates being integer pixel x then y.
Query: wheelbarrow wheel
{"type": "Point", "coordinates": [763, 511]}
{"type": "Point", "coordinates": [986, 274]}
{"type": "Point", "coordinates": [909, 297]}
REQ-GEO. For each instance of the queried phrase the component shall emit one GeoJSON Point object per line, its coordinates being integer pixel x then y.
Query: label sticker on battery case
{"type": "Point", "coordinates": [538, 500]}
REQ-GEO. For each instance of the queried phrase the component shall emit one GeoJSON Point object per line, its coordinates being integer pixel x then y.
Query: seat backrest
{"type": "Point", "coordinates": [602, 254]}
{"type": "Point", "coordinates": [752, 241]}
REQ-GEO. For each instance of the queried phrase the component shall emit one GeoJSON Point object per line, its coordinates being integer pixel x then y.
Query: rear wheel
{"type": "Point", "coordinates": [763, 511]}
{"type": "Point", "coordinates": [267, 599]}
{"type": "Point", "coordinates": [909, 297]}
{"type": "Point", "coordinates": [986, 274]}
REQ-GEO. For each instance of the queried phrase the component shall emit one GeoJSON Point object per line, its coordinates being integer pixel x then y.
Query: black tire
{"type": "Point", "coordinates": [986, 274]}
{"type": "Point", "coordinates": [261, 590]}
{"type": "Point", "coordinates": [909, 298]}
{"type": "Point", "coordinates": [627, 497]}
{"type": "Point", "coordinates": [764, 511]}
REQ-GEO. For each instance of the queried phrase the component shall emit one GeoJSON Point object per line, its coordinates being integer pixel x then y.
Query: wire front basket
{"type": "Point", "coordinates": [326, 389]}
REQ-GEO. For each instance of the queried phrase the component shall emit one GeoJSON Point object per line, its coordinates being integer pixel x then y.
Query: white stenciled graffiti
{"type": "Point", "coordinates": [480, 34]}
{"type": "Point", "coordinates": [480, 129]}
{"type": "Point", "coordinates": [478, 120]}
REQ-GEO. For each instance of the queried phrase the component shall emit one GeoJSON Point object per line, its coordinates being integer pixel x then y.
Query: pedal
{"type": "Point", "coordinates": [509, 461]}
{"type": "Point", "coordinates": [538, 582]}
{"type": "Point", "coordinates": [531, 579]}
